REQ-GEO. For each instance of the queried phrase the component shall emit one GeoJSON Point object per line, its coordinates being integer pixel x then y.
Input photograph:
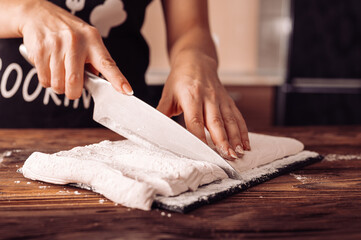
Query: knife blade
{"type": "Point", "coordinates": [139, 122]}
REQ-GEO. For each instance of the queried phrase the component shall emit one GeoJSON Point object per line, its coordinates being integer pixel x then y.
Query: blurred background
{"type": "Point", "coordinates": [284, 62]}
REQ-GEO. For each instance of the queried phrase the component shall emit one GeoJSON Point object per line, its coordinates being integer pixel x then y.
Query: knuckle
{"type": "Point", "coordinates": [107, 63]}
{"type": "Point", "coordinates": [217, 121]}
{"type": "Point", "coordinates": [72, 38]}
{"type": "Point", "coordinates": [73, 79]}
{"type": "Point", "coordinates": [196, 121]}
{"type": "Point", "coordinates": [55, 43]}
{"type": "Point", "coordinates": [57, 86]}
{"type": "Point", "coordinates": [92, 31]}
{"type": "Point", "coordinates": [196, 89]}
{"type": "Point", "coordinates": [192, 93]}
{"type": "Point", "coordinates": [229, 120]}
{"type": "Point", "coordinates": [212, 94]}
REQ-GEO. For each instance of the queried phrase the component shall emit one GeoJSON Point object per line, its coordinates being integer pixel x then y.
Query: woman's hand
{"type": "Point", "coordinates": [193, 88]}
{"type": "Point", "coordinates": [60, 44]}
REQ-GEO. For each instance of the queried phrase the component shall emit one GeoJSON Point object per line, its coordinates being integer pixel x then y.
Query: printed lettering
{"type": "Point", "coordinates": [49, 92]}
{"type": "Point", "coordinates": [4, 80]}
{"type": "Point", "coordinates": [86, 99]}
{"type": "Point", "coordinates": [66, 101]}
{"type": "Point", "coordinates": [31, 97]}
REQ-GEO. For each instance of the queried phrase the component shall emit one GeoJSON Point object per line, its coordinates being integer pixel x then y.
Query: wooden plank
{"type": "Point", "coordinates": [322, 201]}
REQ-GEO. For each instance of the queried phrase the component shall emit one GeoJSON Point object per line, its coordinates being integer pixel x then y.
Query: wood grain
{"type": "Point", "coordinates": [322, 201]}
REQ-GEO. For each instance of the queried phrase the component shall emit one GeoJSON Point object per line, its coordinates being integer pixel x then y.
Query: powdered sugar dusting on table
{"type": "Point", "coordinates": [337, 157]}
{"type": "Point", "coordinates": [134, 176]}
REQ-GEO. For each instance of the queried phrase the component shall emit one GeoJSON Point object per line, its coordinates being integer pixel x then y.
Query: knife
{"type": "Point", "coordinates": [139, 122]}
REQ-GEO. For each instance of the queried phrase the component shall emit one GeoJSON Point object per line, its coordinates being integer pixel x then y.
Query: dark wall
{"type": "Point", "coordinates": [325, 43]}
{"type": "Point", "coordinates": [326, 39]}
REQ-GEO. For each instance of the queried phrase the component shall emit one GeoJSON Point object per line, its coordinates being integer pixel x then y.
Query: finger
{"type": "Point", "coordinates": [57, 72]}
{"type": "Point", "coordinates": [232, 128]}
{"type": "Point", "coordinates": [193, 117]}
{"type": "Point", "coordinates": [41, 63]}
{"type": "Point", "coordinates": [100, 58]}
{"type": "Point", "coordinates": [215, 125]}
{"type": "Point", "coordinates": [74, 76]}
{"type": "Point", "coordinates": [165, 106]}
{"type": "Point", "coordinates": [242, 127]}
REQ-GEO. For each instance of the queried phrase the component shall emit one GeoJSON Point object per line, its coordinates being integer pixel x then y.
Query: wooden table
{"type": "Point", "coordinates": [322, 201]}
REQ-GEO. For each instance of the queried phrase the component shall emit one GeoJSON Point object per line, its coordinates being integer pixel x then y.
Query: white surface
{"type": "Point", "coordinates": [122, 171]}
{"type": "Point", "coordinates": [146, 126]}
{"type": "Point", "coordinates": [132, 175]}
{"type": "Point", "coordinates": [266, 149]}
{"type": "Point", "coordinates": [210, 190]}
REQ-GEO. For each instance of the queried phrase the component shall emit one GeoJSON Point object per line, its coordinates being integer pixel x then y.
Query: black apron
{"type": "Point", "coordinates": [24, 103]}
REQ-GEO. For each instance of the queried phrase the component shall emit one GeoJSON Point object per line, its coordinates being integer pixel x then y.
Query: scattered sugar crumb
{"type": "Point", "coordinates": [299, 177]}
{"type": "Point", "coordinates": [16, 165]}
{"type": "Point", "coordinates": [63, 192]}
{"type": "Point", "coordinates": [16, 181]}
{"type": "Point", "coordinates": [28, 183]}
{"type": "Point", "coordinates": [260, 196]}
{"type": "Point", "coordinates": [335, 157]}
{"type": "Point", "coordinates": [169, 215]}
{"type": "Point", "coordinates": [4, 154]}
{"type": "Point", "coordinates": [42, 187]}
{"type": "Point", "coordinates": [77, 193]}
{"type": "Point", "coordinates": [163, 214]}
{"type": "Point", "coordinates": [101, 201]}
{"type": "Point", "coordinates": [8, 154]}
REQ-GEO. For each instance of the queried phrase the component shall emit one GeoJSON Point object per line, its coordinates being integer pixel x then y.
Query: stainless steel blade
{"type": "Point", "coordinates": [139, 122]}
{"type": "Point", "coordinates": [143, 124]}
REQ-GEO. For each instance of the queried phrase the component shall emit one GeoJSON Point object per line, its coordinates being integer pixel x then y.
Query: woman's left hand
{"type": "Point", "coordinates": [193, 87]}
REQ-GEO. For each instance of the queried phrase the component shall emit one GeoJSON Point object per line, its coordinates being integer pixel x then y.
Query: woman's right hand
{"type": "Point", "coordinates": [60, 44]}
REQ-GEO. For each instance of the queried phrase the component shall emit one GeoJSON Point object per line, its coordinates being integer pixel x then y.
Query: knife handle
{"type": "Point", "coordinates": [24, 53]}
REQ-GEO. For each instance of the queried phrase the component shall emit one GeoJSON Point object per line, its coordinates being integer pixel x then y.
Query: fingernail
{"type": "Point", "coordinates": [232, 153]}
{"type": "Point", "coordinates": [248, 146]}
{"type": "Point", "coordinates": [127, 89]}
{"type": "Point", "coordinates": [222, 152]}
{"type": "Point", "coordinates": [239, 149]}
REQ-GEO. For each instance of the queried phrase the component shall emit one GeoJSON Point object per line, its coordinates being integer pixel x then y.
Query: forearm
{"type": "Point", "coordinates": [194, 43]}
{"type": "Point", "coordinates": [12, 16]}
{"type": "Point", "coordinates": [188, 34]}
